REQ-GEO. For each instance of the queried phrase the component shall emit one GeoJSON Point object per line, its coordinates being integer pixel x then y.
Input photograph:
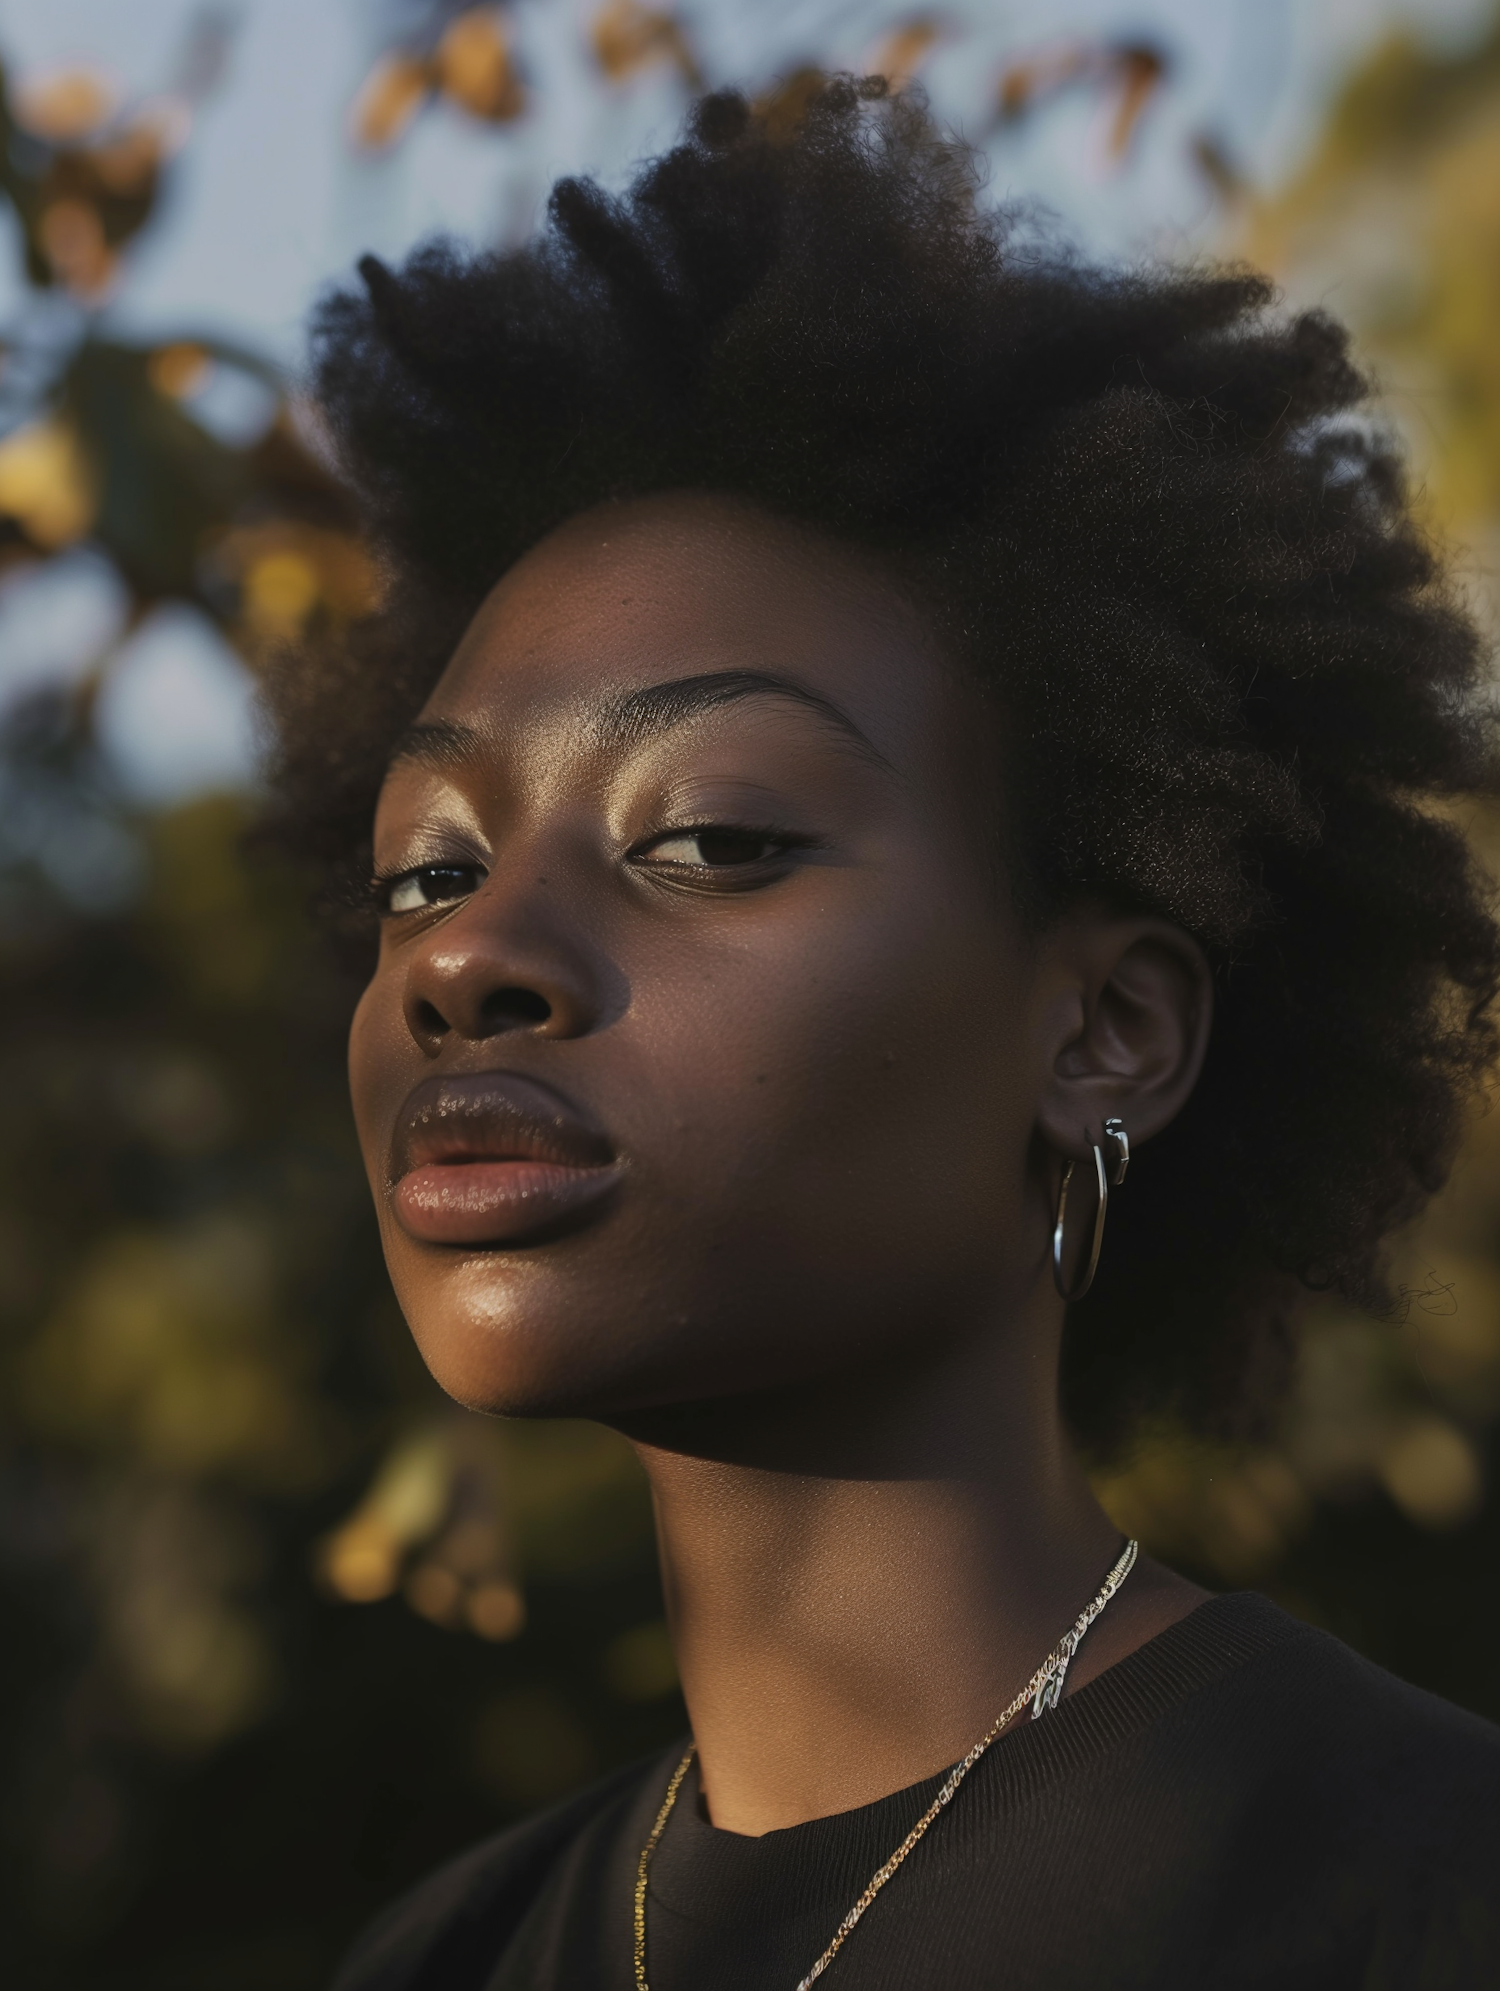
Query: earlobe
{"type": "Point", "coordinates": [1129, 1040]}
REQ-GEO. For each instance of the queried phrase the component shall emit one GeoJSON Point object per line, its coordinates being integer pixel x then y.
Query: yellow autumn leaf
{"type": "Point", "coordinates": [1431, 1471]}
{"type": "Point", "coordinates": [392, 94]}
{"type": "Point", "coordinates": [899, 55]}
{"type": "Point", "coordinates": [177, 370]}
{"type": "Point", "coordinates": [66, 105]}
{"type": "Point", "coordinates": [286, 569]}
{"type": "Point", "coordinates": [71, 235]}
{"type": "Point", "coordinates": [46, 483]}
{"type": "Point", "coordinates": [280, 592]}
{"type": "Point", "coordinates": [127, 165]}
{"type": "Point", "coordinates": [474, 67]}
{"type": "Point", "coordinates": [628, 36]}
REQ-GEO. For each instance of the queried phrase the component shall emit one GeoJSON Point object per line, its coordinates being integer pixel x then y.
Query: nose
{"type": "Point", "coordinates": [506, 959]}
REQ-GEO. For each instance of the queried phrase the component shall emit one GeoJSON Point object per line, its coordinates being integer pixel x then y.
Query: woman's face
{"type": "Point", "coordinates": [700, 1057]}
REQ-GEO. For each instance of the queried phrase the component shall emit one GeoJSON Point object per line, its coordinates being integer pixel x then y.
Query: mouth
{"type": "Point", "coordinates": [493, 1158]}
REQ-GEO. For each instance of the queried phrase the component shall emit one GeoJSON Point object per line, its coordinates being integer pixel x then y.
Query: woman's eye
{"type": "Point", "coordinates": [430, 885]}
{"type": "Point", "coordinates": [713, 849]}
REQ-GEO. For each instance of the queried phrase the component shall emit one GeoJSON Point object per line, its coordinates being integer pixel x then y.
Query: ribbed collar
{"type": "Point", "coordinates": [704, 1874]}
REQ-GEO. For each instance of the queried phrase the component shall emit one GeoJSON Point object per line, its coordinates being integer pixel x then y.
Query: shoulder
{"type": "Point", "coordinates": [1327, 1757]}
{"type": "Point", "coordinates": [446, 1933]}
{"type": "Point", "coordinates": [1298, 1815]}
{"type": "Point", "coordinates": [1315, 1698]}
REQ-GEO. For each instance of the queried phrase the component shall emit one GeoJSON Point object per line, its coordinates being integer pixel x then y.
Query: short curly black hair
{"type": "Point", "coordinates": [1148, 513]}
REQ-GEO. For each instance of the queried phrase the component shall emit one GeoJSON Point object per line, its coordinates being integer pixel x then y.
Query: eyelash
{"type": "Point", "coordinates": [780, 842]}
{"type": "Point", "coordinates": [384, 886]}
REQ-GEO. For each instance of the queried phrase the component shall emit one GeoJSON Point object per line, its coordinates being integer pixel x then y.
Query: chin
{"type": "Point", "coordinates": [514, 1370]}
{"type": "Point", "coordinates": [561, 1330]}
{"type": "Point", "coordinates": [502, 1340]}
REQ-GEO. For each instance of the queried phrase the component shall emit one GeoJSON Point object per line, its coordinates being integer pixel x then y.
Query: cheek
{"type": "Point", "coordinates": [826, 1110]}
{"type": "Point", "coordinates": [841, 1117]}
{"type": "Point", "coordinates": [382, 1061]}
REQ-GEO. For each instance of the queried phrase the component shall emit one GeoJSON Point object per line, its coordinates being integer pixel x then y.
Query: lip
{"type": "Point", "coordinates": [494, 1158]}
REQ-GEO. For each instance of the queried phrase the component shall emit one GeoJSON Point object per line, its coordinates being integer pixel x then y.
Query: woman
{"type": "Point", "coordinates": [876, 728]}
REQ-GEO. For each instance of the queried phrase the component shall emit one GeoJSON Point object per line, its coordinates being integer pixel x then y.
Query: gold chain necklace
{"type": "Point", "coordinates": [1042, 1690]}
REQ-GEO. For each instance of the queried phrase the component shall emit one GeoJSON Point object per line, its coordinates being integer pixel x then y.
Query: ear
{"type": "Point", "coordinates": [1126, 1009]}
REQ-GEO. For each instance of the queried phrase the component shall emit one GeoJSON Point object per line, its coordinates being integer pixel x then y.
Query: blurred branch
{"type": "Point", "coordinates": [627, 37]}
{"type": "Point", "coordinates": [1127, 75]}
{"type": "Point", "coordinates": [466, 60]}
{"type": "Point", "coordinates": [82, 177]}
{"type": "Point", "coordinates": [900, 54]}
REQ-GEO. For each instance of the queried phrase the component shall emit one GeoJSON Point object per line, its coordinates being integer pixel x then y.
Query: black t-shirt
{"type": "Point", "coordinates": [1241, 1802]}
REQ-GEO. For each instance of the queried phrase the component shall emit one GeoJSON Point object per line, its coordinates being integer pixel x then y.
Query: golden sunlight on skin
{"type": "Point", "coordinates": [709, 1086]}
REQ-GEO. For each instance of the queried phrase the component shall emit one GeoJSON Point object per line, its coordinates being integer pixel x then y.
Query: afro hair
{"type": "Point", "coordinates": [1147, 511]}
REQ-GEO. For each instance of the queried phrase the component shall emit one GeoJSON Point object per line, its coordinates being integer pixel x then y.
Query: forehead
{"type": "Point", "coordinates": [625, 597]}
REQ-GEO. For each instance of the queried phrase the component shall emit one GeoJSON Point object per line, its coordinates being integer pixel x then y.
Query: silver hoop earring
{"type": "Point", "coordinates": [1115, 1134]}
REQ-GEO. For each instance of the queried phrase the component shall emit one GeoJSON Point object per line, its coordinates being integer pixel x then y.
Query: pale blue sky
{"type": "Point", "coordinates": [269, 202]}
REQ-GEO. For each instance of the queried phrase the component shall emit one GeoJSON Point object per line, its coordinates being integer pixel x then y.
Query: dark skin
{"type": "Point", "coordinates": [752, 943]}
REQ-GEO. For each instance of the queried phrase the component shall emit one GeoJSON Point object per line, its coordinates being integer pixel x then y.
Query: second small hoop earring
{"type": "Point", "coordinates": [1115, 1134]}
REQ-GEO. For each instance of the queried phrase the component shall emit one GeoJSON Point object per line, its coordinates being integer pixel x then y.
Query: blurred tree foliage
{"type": "Point", "coordinates": [215, 1440]}
{"type": "Point", "coordinates": [1374, 1509]}
{"type": "Point", "coordinates": [1395, 223]}
{"type": "Point", "coordinates": [282, 1627]}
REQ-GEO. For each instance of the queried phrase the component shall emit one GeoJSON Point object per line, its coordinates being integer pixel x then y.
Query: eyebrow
{"type": "Point", "coordinates": [643, 715]}
{"type": "Point", "coordinates": [437, 743]}
{"type": "Point", "coordinates": [657, 708]}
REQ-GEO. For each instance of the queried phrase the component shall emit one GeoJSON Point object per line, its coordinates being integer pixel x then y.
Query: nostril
{"type": "Point", "coordinates": [431, 1021]}
{"type": "Point", "coordinates": [506, 1009]}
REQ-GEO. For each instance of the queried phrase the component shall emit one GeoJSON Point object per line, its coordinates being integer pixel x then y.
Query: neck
{"type": "Point", "coordinates": [859, 1580]}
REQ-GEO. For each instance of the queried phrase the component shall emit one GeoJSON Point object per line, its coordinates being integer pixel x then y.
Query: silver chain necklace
{"type": "Point", "coordinates": [1043, 1690]}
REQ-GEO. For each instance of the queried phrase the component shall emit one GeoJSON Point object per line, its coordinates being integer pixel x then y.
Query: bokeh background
{"type": "Point", "coordinates": [279, 1629]}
